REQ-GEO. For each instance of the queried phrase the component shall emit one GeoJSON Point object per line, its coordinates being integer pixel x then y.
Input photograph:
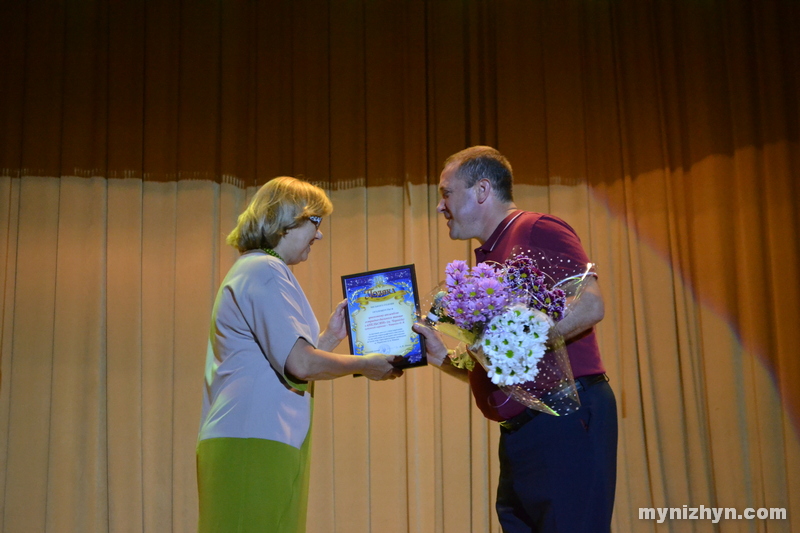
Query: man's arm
{"type": "Point", "coordinates": [584, 312]}
{"type": "Point", "coordinates": [438, 353]}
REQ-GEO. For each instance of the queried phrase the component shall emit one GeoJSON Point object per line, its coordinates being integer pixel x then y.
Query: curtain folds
{"type": "Point", "coordinates": [132, 136]}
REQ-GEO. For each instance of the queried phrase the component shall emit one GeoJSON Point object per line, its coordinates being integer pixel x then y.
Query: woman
{"type": "Point", "coordinates": [264, 348]}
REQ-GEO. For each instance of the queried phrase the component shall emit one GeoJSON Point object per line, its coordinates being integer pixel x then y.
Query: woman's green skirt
{"type": "Point", "coordinates": [252, 485]}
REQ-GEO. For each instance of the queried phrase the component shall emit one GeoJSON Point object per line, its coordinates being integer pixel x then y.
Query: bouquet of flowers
{"type": "Point", "coordinates": [504, 314]}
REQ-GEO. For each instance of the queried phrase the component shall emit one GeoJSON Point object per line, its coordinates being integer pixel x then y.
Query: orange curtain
{"type": "Point", "coordinates": [132, 135]}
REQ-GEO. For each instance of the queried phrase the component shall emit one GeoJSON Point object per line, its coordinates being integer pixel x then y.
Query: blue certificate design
{"type": "Point", "coordinates": [382, 305]}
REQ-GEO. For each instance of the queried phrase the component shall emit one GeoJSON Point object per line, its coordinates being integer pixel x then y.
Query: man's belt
{"type": "Point", "coordinates": [584, 382]}
{"type": "Point", "coordinates": [515, 422]}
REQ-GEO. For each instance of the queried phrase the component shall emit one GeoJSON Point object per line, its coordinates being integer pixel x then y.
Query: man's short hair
{"type": "Point", "coordinates": [278, 206]}
{"type": "Point", "coordinates": [479, 162]}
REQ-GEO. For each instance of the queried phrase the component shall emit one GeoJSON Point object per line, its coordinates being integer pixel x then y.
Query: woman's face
{"type": "Point", "coordinates": [295, 246]}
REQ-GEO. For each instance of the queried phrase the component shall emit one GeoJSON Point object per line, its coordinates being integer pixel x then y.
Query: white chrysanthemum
{"type": "Point", "coordinates": [514, 342]}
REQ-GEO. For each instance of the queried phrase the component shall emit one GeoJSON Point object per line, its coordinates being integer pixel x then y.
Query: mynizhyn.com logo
{"type": "Point", "coordinates": [714, 514]}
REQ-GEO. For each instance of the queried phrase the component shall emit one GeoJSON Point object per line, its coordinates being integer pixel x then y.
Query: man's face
{"type": "Point", "coordinates": [459, 205]}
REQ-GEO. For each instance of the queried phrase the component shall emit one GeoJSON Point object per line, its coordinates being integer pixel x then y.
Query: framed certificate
{"type": "Point", "coordinates": [382, 305]}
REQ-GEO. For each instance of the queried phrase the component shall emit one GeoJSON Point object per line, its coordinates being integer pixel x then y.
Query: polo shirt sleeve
{"type": "Point", "coordinates": [562, 245]}
{"type": "Point", "coordinates": [273, 308]}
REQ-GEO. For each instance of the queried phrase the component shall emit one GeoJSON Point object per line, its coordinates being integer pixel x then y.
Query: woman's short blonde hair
{"type": "Point", "coordinates": [279, 205]}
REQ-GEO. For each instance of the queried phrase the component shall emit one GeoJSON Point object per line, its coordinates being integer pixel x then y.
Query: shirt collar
{"type": "Point", "coordinates": [490, 243]}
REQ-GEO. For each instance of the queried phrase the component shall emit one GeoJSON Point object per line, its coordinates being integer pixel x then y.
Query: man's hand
{"type": "Point", "coordinates": [438, 354]}
{"type": "Point", "coordinates": [437, 351]}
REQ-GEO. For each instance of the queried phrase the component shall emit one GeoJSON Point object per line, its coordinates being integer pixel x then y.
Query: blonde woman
{"type": "Point", "coordinates": [264, 348]}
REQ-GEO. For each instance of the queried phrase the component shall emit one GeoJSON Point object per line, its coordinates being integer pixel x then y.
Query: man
{"type": "Point", "coordinates": [557, 474]}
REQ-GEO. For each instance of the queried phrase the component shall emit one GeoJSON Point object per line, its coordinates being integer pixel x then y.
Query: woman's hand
{"type": "Point", "coordinates": [336, 330]}
{"type": "Point", "coordinates": [379, 367]}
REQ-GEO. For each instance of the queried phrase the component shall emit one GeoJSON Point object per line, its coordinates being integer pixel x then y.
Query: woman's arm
{"type": "Point", "coordinates": [307, 363]}
{"type": "Point", "coordinates": [336, 330]}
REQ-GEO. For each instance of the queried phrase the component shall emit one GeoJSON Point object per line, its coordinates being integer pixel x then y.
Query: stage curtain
{"type": "Point", "coordinates": [132, 135]}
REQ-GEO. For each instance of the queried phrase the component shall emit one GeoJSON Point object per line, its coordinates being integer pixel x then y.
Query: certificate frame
{"type": "Point", "coordinates": [381, 306]}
